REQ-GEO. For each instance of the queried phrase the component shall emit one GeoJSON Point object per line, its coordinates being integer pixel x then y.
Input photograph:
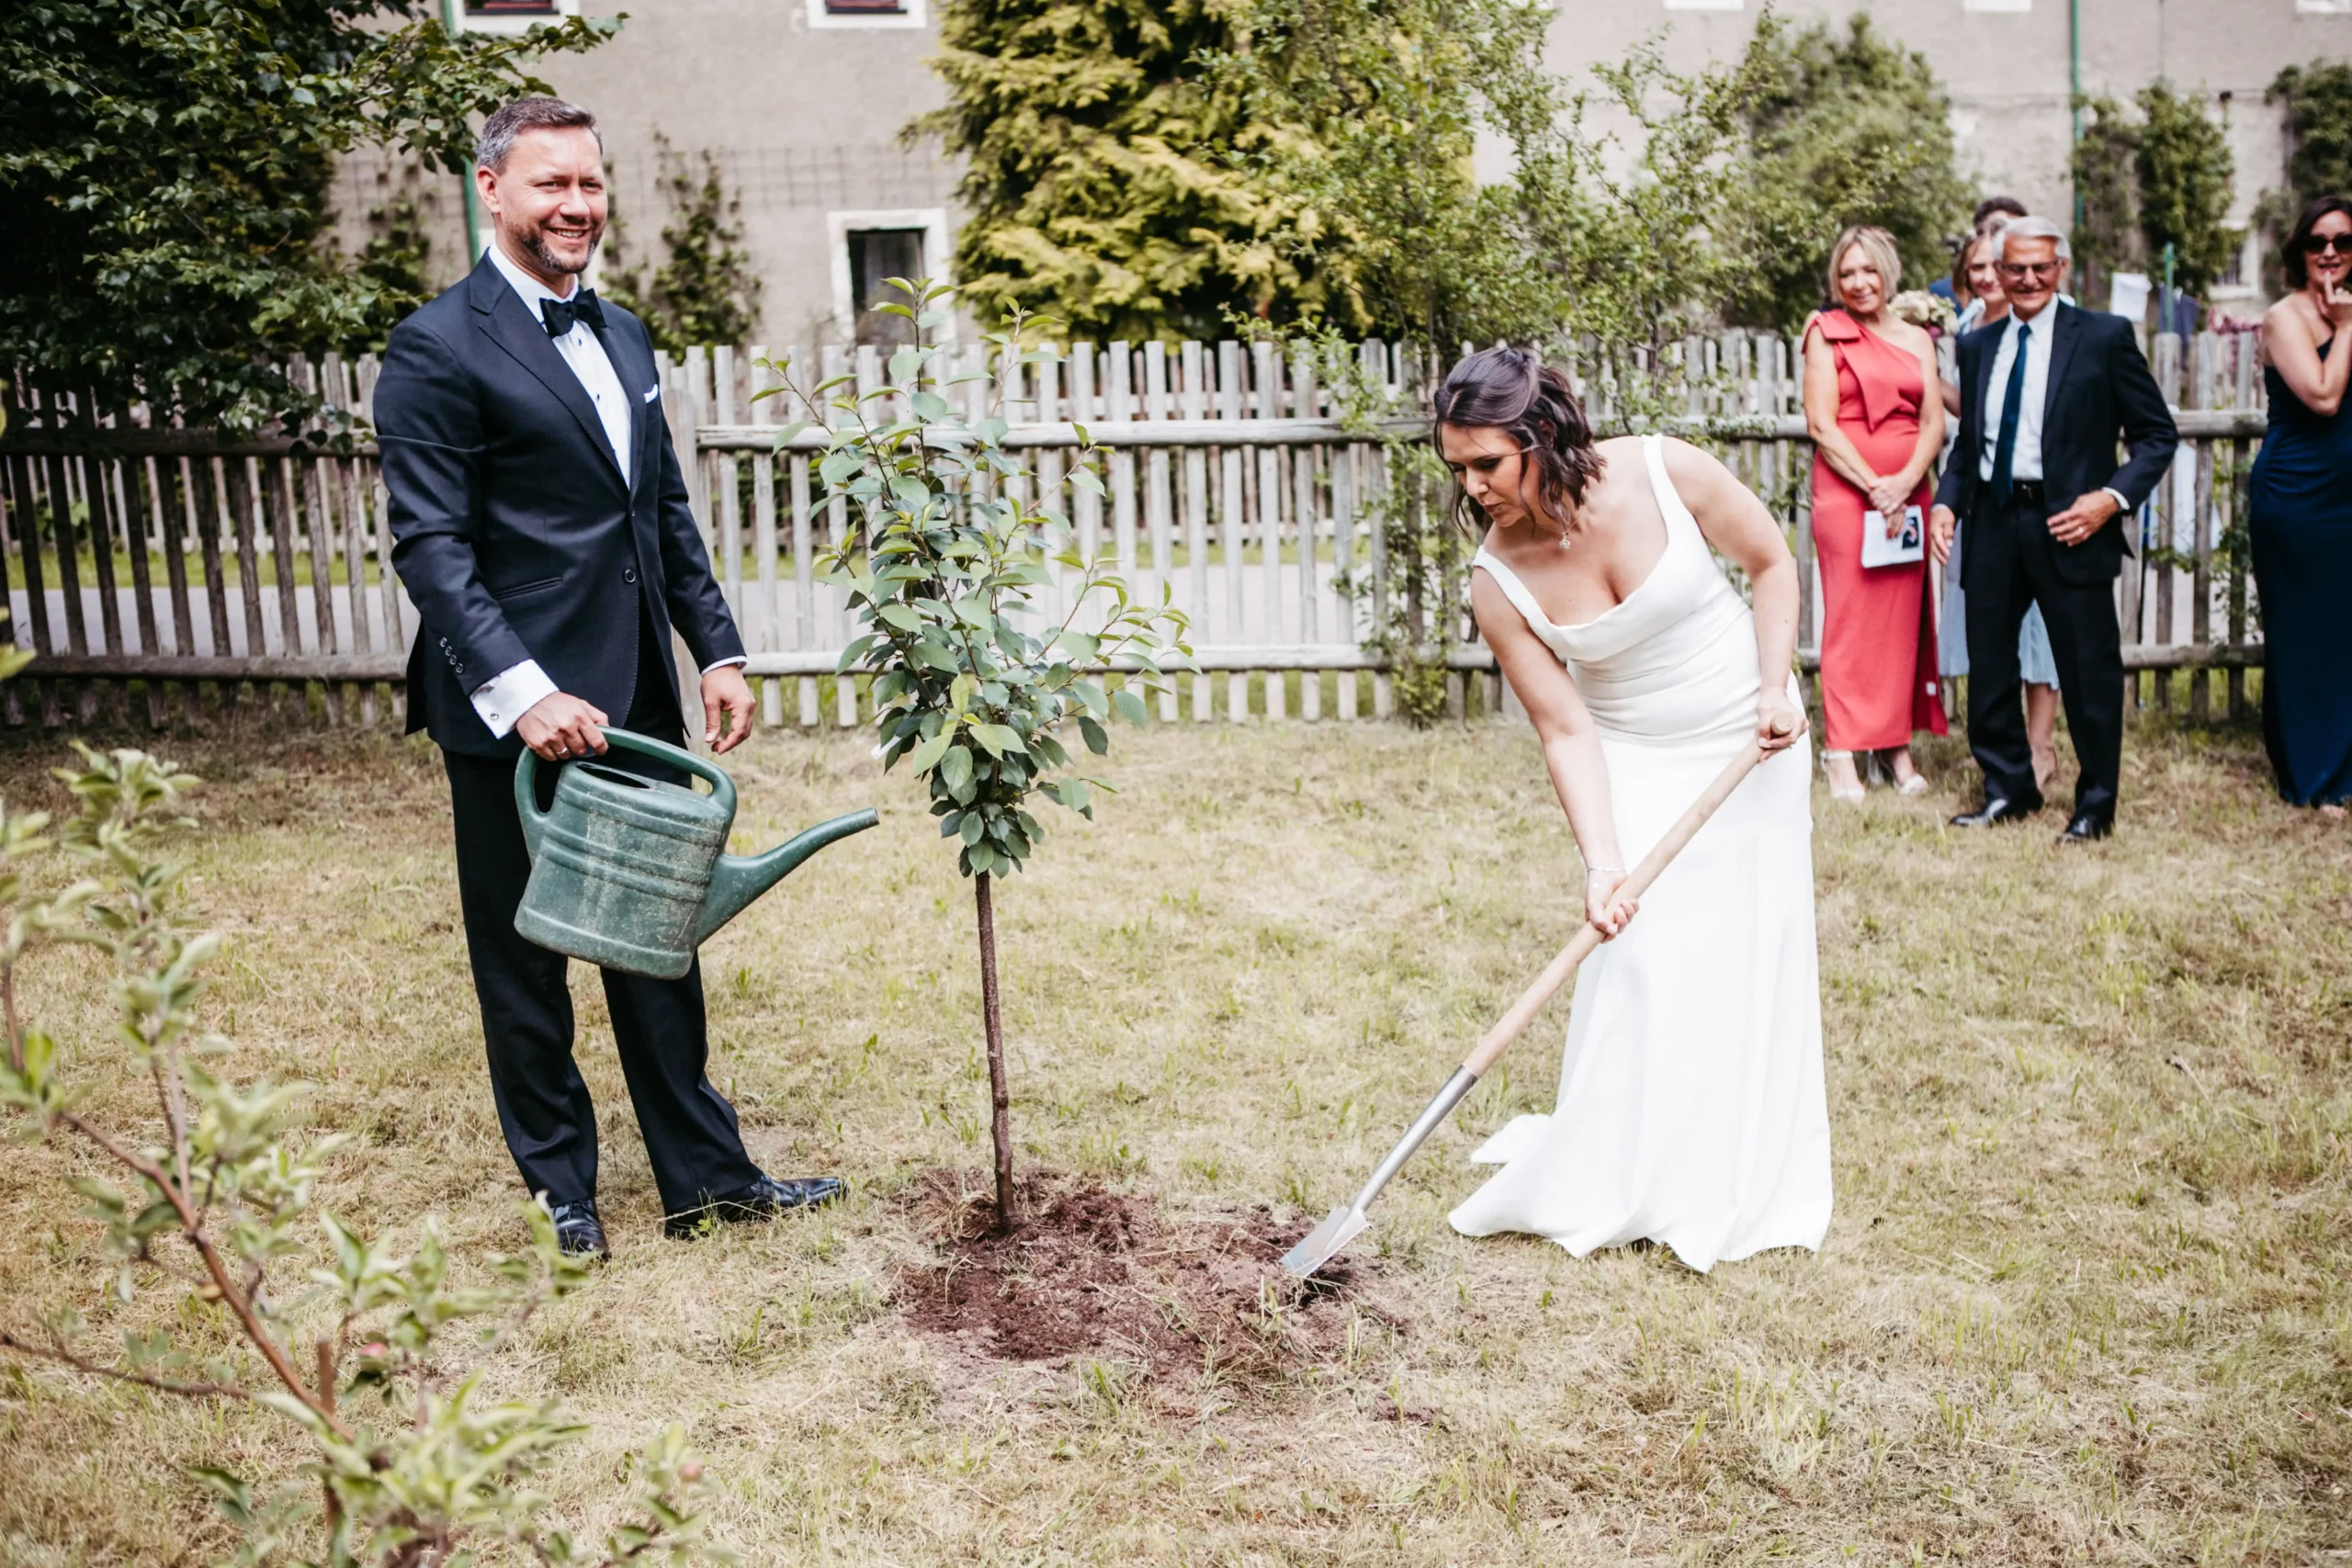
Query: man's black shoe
{"type": "Point", "coordinates": [578, 1230]}
{"type": "Point", "coordinates": [2087, 827]}
{"type": "Point", "coordinates": [766, 1200]}
{"type": "Point", "coordinates": [1995, 812]}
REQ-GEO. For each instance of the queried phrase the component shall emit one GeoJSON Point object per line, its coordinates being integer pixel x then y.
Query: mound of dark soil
{"type": "Point", "coordinates": [1088, 1270]}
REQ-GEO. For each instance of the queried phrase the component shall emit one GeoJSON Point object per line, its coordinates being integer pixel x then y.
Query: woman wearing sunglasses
{"type": "Point", "coordinates": [2302, 515]}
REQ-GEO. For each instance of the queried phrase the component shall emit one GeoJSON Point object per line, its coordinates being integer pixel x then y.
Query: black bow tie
{"type": "Point", "coordinates": [561, 315]}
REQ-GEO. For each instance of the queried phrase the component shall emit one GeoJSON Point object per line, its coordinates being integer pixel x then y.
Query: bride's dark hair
{"type": "Point", "coordinates": [1502, 389]}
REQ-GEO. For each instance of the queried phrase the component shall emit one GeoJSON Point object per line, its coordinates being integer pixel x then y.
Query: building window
{"type": "Point", "coordinates": [512, 16]}
{"type": "Point", "coordinates": [869, 13]}
{"type": "Point", "coordinates": [877, 255]}
{"type": "Point", "coordinates": [872, 247]}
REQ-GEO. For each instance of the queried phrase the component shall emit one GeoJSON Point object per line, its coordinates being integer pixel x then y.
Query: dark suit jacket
{"type": "Point", "coordinates": [513, 534]}
{"type": "Point", "coordinates": [2099, 388]}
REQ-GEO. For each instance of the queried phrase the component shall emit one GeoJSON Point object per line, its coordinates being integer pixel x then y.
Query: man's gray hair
{"type": "Point", "coordinates": [2035, 229]}
{"type": "Point", "coordinates": [499, 132]}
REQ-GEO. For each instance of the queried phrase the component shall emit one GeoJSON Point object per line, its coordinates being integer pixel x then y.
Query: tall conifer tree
{"type": "Point", "coordinates": [1101, 185]}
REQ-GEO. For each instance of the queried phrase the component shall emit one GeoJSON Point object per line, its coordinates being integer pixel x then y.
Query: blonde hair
{"type": "Point", "coordinates": [1879, 246]}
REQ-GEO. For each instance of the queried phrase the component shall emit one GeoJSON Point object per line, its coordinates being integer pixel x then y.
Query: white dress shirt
{"type": "Point", "coordinates": [509, 695]}
{"type": "Point", "coordinates": [2025, 461]}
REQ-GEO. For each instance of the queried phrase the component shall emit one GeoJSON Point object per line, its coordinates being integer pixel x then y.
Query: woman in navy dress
{"type": "Point", "coordinates": [2302, 516]}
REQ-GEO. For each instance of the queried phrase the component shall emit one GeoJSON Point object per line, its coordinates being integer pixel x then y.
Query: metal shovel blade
{"type": "Point", "coordinates": [1320, 1245]}
{"type": "Point", "coordinates": [1350, 1219]}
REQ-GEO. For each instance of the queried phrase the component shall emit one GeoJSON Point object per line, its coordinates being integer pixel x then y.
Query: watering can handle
{"type": "Point", "coordinates": [526, 776]}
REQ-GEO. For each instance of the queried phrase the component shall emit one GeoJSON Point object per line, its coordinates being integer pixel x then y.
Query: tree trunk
{"type": "Point", "coordinates": [1000, 1099]}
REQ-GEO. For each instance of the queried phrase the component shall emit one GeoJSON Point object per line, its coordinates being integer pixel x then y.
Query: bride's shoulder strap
{"type": "Point", "coordinates": [1669, 500]}
{"type": "Point", "coordinates": [1513, 589]}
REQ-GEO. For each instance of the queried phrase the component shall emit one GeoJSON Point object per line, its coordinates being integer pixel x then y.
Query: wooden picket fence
{"type": "Point", "coordinates": [192, 576]}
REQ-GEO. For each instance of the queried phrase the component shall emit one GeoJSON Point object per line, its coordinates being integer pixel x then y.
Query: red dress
{"type": "Point", "coordinates": [1878, 635]}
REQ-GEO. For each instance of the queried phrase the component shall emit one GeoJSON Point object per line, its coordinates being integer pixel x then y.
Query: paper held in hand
{"type": "Point", "coordinates": [1910, 544]}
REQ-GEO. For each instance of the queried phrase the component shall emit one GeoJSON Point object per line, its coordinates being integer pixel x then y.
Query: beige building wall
{"type": "Point", "coordinates": [803, 109]}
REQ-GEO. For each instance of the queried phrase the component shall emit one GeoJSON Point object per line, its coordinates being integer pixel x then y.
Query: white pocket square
{"type": "Point", "coordinates": [651, 393]}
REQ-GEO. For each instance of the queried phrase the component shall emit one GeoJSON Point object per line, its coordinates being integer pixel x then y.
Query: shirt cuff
{"type": "Point", "coordinates": [2122, 502]}
{"type": "Point", "coordinates": [723, 663]}
{"type": "Point", "coordinates": [508, 695]}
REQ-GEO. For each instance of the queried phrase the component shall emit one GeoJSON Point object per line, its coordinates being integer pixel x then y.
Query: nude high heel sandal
{"type": "Point", "coordinates": [1836, 793]}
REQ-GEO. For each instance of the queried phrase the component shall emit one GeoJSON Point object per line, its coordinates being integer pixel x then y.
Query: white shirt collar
{"type": "Point", "coordinates": [529, 287]}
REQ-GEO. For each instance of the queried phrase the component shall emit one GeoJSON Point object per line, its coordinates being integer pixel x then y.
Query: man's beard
{"type": "Point", "coordinates": [535, 241]}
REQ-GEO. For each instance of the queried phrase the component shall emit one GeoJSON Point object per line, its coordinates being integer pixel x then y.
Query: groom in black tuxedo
{"type": "Point", "coordinates": [542, 531]}
{"type": "Point", "coordinates": [2043, 398]}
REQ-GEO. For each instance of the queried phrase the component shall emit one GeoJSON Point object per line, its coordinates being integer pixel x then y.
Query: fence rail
{"type": "Point", "coordinates": [225, 574]}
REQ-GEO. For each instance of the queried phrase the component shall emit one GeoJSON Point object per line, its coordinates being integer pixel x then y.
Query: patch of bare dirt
{"type": "Point", "coordinates": [1092, 1270]}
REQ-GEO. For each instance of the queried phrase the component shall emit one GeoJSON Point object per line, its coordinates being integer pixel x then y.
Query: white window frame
{"type": "Point", "coordinates": [510, 26]}
{"type": "Point", "coordinates": [931, 221]}
{"type": "Point", "coordinates": [916, 15]}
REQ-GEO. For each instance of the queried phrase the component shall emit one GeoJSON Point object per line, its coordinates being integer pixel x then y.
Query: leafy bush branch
{"type": "Point", "coordinates": [212, 1196]}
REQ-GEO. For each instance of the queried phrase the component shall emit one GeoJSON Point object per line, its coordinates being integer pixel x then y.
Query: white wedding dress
{"type": "Point", "coordinates": [1691, 1108]}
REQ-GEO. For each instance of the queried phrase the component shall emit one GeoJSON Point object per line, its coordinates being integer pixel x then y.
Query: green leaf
{"type": "Point", "coordinates": [930, 405]}
{"type": "Point", "coordinates": [956, 768]}
{"type": "Point", "coordinates": [900, 615]}
{"type": "Point", "coordinates": [1096, 740]}
{"type": "Point", "coordinates": [1085, 479]}
{"type": "Point", "coordinates": [1130, 706]}
{"type": "Point", "coordinates": [973, 827]}
{"type": "Point", "coordinates": [999, 738]}
{"type": "Point", "coordinates": [927, 755]}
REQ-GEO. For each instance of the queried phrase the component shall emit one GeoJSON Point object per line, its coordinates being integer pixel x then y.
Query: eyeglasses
{"type": "Point", "coordinates": [2030, 269]}
{"type": "Point", "coordinates": [2328, 245]}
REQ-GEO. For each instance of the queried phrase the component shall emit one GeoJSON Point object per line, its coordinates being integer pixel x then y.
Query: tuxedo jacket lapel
{"type": "Point", "coordinates": [507, 323]}
{"type": "Point", "coordinates": [2065, 326]}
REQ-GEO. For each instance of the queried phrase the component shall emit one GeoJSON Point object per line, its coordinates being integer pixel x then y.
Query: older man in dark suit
{"type": "Point", "coordinates": [2045, 396]}
{"type": "Point", "coordinates": [542, 531]}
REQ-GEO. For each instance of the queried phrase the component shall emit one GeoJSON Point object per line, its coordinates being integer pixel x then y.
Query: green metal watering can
{"type": "Point", "coordinates": [629, 873]}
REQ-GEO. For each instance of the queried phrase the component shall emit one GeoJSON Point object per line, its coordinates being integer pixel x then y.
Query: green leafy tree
{"type": "Point", "coordinates": [1100, 183]}
{"type": "Point", "coordinates": [2107, 189]}
{"type": "Point", "coordinates": [1842, 129]}
{"type": "Point", "coordinates": [394, 265]}
{"type": "Point", "coordinates": [1373, 110]}
{"type": "Point", "coordinates": [212, 1198]}
{"type": "Point", "coordinates": [704, 291]}
{"type": "Point", "coordinates": [2184, 171]}
{"type": "Point", "coordinates": [162, 179]}
{"type": "Point", "coordinates": [976, 688]}
{"type": "Point", "coordinates": [2318, 99]}
{"type": "Point", "coordinates": [2162, 179]}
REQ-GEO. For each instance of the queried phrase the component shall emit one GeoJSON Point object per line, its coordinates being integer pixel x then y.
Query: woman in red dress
{"type": "Point", "coordinates": [1870, 404]}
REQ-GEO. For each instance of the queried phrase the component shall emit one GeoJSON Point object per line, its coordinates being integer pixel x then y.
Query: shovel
{"type": "Point", "coordinates": [1347, 1222]}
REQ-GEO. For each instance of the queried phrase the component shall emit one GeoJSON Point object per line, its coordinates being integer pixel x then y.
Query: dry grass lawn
{"type": "Point", "coordinates": [2085, 1297]}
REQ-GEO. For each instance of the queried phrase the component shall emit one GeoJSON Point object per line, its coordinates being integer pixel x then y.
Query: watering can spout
{"type": "Point", "coordinates": [736, 880]}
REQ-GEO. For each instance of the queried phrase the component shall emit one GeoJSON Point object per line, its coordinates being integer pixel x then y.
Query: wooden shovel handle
{"type": "Point", "coordinates": [1506, 1028]}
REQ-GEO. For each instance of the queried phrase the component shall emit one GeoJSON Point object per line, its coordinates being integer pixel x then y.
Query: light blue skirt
{"type": "Point", "coordinates": [2035, 661]}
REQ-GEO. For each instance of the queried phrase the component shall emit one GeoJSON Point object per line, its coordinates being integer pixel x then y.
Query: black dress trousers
{"type": "Point", "coordinates": [658, 1025]}
{"type": "Point", "coordinates": [2011, 565]}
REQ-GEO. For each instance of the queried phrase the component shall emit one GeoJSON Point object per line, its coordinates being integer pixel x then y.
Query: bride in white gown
{"type": "Point", "coordinates": [1691, 1109]}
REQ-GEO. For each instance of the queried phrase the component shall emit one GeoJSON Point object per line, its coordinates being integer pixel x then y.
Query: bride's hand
{"type": "Point", "coordinates": [1602, 907]}
{"type": "Point", "coordinates": [1780, 723]}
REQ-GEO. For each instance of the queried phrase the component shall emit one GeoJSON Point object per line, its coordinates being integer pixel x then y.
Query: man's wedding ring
{"type": "Point", "coordinates": [563, 751]}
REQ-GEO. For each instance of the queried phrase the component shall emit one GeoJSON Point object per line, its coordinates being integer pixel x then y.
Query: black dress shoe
{"type": "Point", "coordinates": [578, 1230]}
{"type": "Point", "coordinates": [1995, 812]}
{"type": "Point", "coordinates": [766, 1199]}
{"type": "Point", "coordinates": [2087, 828]}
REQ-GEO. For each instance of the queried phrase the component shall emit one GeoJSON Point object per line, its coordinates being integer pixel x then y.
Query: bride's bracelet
{"type": "Point", "coordinates": [1592, 871]}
